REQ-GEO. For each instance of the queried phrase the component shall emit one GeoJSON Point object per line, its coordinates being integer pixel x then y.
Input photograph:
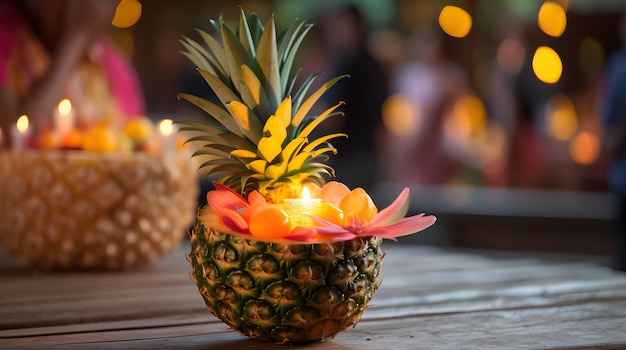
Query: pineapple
{"type": "Point", "coordinates": [307, 282]}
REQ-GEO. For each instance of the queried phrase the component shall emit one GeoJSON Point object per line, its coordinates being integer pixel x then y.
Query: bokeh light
{"type": "Point", "coordinates": [22, 123]}
{"type": "Point", "coordinates": [65, 107]}
{"type": "Point", "coordinates": [547, 65]}
{"type": "Point", "coordinates": [552, 19]}
{"type": "Point", "coordinates": [127, 13]}
{"type": "Point", "coordinates": [561, 118]}
{"type": "Point", "coordinates": [400, 116]}
{"type": "Point", "coordinates": [455, 21]}
{"type": "Point", "coordinates": [510, 56]}
{"type": "Point", "coordinates": [584, 148]}
{"type": "Point", "coordinates": [467, 121]}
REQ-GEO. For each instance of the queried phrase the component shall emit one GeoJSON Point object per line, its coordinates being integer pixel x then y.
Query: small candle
{"type": "Point", "coordinates": [300, 210]}
{"type": "Point", "coordinates": [64, 117]}
{"type": "Point", "coordinates": [19, 135]}
{"type": "Point", "coordinates": [168, 136]}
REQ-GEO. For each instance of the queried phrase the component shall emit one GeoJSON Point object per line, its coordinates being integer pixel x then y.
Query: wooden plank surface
{"type": "Point", "coordinates": [431, 298]}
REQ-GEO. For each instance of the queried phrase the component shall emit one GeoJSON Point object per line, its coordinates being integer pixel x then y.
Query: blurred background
{"type": "Point", "coordinates": [489, 110]}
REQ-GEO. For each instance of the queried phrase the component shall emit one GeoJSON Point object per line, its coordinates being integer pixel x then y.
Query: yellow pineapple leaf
{"type": "Point", "coordinates": [309, 102]}
{"type": "Point", "coordinates": [323, 150]}
{"type": "Point", "coordinates": [298, 161]}
{"type": "Point", "coordinates": [269, 148]}
{"type": "Point", "coordinates": [276, 128]}
{"type": "Point", "coordinates": [313, 144]}
{"type": "Point", "coordinates": [276, 171]}
{"type": "Point", "coordinates": [284, 111]}
{"type": "Point", "coordinates": [250, 126]}
{"type": "Point", "coordinates": [293, 147]}
{"type": "Point", "coordinates": [267, 59]}
{"type": "Point", "coordinates": [252, 82]}
{"type": "Point", "coordinates": [242, 153]}
{"type": "Point", "coordinates": [258, 166]}
{"type": "Point", "coordinates": [313, 124]}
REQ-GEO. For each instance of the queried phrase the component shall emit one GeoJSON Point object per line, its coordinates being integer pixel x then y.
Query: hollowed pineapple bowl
{"type": "Point", "coordinates": [284, 293]}
{"type": "Point", "coordinates": [62, 210]}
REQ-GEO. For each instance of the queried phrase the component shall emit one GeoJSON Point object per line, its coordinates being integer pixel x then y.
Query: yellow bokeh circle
{"type": "Point", "coordinates": [552, 19]}
{"type": "Point", "coordinates": [455, 21]}
{"type": "Point", "coordinates": [547, 65]}
{"type": "Point", "coordinates": [127, 13]}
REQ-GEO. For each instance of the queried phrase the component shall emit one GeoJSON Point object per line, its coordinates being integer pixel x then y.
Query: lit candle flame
{"type": "Point", "coordinates": [22, 123]}
{"type": "Point", "coordinates": [305, 195]}
{"type": "Point", "coordinates": [65, 107]}
{"type": "Point", "coordinates": [166, 126]}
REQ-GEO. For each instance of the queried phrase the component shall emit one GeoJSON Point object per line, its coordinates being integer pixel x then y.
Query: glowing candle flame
{"type": "Point", "coordinates": [22, 123]}
{"type": "Point", "coordinates": [65, 107]}
{"type": "Point", "coordinates": [305, 195]}
{"type": "Point", "coordinates": [166, 127]}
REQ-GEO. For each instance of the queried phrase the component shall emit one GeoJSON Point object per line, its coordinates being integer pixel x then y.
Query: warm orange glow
{"type": "Point", "coordinates": [270, 223]}
{"type": "Point", "coordinates": [22, 123]}
{"type": "Point", "coordinates": [552, 18]}
{"type": "Point", "coordinates": [547, 65]}
{"type": "Point", "coordinates": [127, 13]}
{"type": "Point", "coordinates": [455, 21]}
{"type": "Point", "coordinates": [468, 118]}
{"type": "Point", "coordinates": [584, 148]}
{"type": "Point", "coordinates": [561, 118]}
{"type": "Point", "coordinates": [510, 56]}
{"type": "Point", "coordinates": [400, 116]}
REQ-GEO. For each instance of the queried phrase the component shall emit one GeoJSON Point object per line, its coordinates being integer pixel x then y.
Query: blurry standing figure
{"type": "Point", "coordinates": [424, 90]}
{"type": "Point", "coordinates": [52, 50]}
{"type": "Point", "coordinates": [614, 119]}
{"type": "Point", "coordinates": [345, 39]}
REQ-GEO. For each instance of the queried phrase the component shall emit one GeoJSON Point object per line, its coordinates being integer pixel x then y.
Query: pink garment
{"type": "Point", "coordinates": [23, 59]}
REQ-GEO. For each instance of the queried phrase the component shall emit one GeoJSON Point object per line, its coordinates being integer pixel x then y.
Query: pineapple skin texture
{"type": "Point", "coordinates": [284, 293]}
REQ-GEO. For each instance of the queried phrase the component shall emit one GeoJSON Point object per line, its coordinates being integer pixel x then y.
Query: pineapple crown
{"type": "Point", "coordinates": [258, 136]}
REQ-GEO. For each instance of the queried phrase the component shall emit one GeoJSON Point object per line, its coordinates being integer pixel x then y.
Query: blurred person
{"type": "Point", "coordinates": [430, 84]}
{"type": "Point", "coordinates": [344, 36]}
{"type": "Point", "coordinates": [51, 50]}
{"type": "Point", "coordinates": [614, 120]}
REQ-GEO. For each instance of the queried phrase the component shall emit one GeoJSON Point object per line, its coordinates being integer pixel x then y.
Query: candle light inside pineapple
{"type": "Point", "coordinates": [301, 209]}
{"type": "Point", "coordinates": [19, 135]}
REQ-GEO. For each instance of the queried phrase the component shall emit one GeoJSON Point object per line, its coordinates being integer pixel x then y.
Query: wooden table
{"type": "Point", "coordinates": [431, 298]}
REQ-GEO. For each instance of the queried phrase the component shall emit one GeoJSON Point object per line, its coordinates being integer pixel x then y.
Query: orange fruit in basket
{"type": "Point", "coordinates": [100, 139]}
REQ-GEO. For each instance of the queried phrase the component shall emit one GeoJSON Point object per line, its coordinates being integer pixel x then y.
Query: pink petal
{"type": "Point", "coordinates": [225, 198]}
{"type": "Point", "coordinates": [234, 221]}
{"type": "Point", "coordinates": [404, 227]}
{"type": "Point", "coordinates": [394, 212]}
{"type": "Point", "coordinates": [301, 234]}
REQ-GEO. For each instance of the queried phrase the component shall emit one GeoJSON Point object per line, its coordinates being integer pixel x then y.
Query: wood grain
{"type": "Point", "coordinates": [430, 298]}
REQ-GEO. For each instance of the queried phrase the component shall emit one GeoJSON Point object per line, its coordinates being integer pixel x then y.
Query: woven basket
{"type": "Point", "coordinates": [62, 210]}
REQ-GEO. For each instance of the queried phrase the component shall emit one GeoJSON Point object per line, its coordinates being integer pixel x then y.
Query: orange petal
{"type": "Point", "coordinates": [360, 204]}
{"type": "Point", "coordinates": [333, 192]}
